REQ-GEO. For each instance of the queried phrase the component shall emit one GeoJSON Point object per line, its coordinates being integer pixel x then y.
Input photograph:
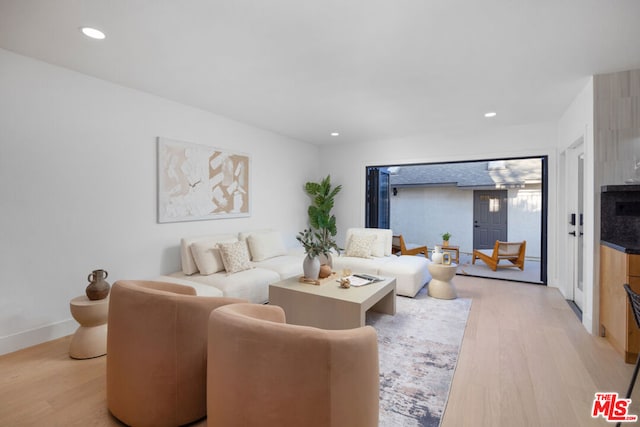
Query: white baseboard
{"type": "Point", "coordinates": [20, 340]}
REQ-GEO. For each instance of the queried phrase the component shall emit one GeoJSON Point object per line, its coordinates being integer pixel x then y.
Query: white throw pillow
{"type": "Point", "coordinates": [377, 248]}
{"type": "Point", "coordinates": [266, 245]}
{"type": "Point", "coordinates": [207, 256]}
{"type": "Point", "coordinates": [360, 245]}
{"type": "Point", "coordinates": [235, 256]}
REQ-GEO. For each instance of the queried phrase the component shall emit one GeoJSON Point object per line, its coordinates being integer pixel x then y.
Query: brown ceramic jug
{"type": "Point", "coordinates": [98, 288]}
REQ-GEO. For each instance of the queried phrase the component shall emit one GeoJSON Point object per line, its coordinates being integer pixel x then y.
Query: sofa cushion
{"type": "Point", "coordinates": [188, 262]}
{"type": "Point", "coordinates": [360, 245]}
{"type": "Point", "coordinates": [207, 255]}
{"type": "Point", "coordinates": [235, 256]}
{"type": "Point", "coordinates": [285, 265]}
{"type": "Point", "coordinates": [411, 273]}
{"type": "Point", "coordinates": [182, 279]}
{"type": "Point", "coordinates": [252, 285]}
{"type": "Point", "coordinates": [244, 235]}
{"type": "Point", "coordinates": [382, 246]}
{"type": "Point", "coordinates": [266, 245]}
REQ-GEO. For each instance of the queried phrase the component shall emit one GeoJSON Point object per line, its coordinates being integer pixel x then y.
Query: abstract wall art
{"type": "Point", "coordinates": [198, 182]}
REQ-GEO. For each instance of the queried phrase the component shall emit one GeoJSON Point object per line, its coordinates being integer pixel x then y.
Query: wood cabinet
{"type": "Point", "coordinates": [616, 318]}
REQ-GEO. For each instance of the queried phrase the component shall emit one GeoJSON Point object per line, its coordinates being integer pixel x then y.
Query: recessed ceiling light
{"type": "Point", "coordinates": [490, 114]}
{"type": "Point", "coordinates": [335, 134]}
{"type": "Point", "coordinates": [93, 33]}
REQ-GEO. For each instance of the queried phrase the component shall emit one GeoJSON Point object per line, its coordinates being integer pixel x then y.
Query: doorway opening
{"type": "Point", "coordinates": [478, 202]}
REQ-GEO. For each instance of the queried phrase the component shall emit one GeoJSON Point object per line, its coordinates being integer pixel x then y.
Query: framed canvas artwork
{"type": "Point", "coordinates": [198, 182]}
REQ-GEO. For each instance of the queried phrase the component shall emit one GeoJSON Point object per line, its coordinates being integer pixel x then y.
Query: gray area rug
{"type": "Point", "coordinates": [418, 350]}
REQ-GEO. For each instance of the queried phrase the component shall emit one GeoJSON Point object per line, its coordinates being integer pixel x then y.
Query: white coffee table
{"type": "Point", "coordinates": [328, 306]}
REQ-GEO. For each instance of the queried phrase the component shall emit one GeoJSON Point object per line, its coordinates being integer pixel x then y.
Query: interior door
{"type": "Point", "coordinates": [575, 214]}
{"type": "Point", "coordinates": [489, 218]}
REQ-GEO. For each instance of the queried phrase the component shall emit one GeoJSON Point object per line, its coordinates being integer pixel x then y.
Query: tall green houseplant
{"type": "Point", "coordinates": [320, 217]}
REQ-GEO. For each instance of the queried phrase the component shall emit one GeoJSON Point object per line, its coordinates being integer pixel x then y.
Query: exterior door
{"type": "Point", "coordinates": [489, 218]}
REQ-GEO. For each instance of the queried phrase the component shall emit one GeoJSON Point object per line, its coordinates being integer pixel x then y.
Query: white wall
{"type": "Point", "coordinates": [524, 223]}
{"type": "Point", "coordinates": [78, 189]}
{"type": "Point", "coordinates": [423, 214]}
{"type": "Point", "coordinates": [576, 124]}
{"type": "Point", "coordinates": [427, 213]}
{"type": "Point", "coordinates": [347, 164]}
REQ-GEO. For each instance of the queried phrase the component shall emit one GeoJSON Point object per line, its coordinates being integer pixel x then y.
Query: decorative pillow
{"type": "Point", "coordinates": [377, 248]}
{"type": "Point", "coordinates": [360, 245]}
{"type": "Point", "coordinates": [266, 245]}
{"type": "Point", "coordinates": [244, 235]}
{"type": "Point", "coordinates": [207, 256]}
{"type": "Point", "coordinates": [235, 256]}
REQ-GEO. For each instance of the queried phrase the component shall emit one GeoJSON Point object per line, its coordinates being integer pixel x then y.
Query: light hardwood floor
{"type": "Point", "coordinates": [525, 361]}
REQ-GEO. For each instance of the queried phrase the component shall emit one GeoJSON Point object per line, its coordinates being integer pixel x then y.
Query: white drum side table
{"type": "Point", "coordinates": [90, 339]}
{"type": "Point", "coordinates": [441, 285]}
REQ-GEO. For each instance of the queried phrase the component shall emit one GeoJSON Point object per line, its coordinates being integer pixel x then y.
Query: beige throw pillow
{"type": "Point", "coordinates": [360, 245]}
{"type": "Point", "coordinates": [266, 245]}
{"type": "Point", "coordinates": [235, 256]}
{"type": "Point", "coordinates": [207, 256]}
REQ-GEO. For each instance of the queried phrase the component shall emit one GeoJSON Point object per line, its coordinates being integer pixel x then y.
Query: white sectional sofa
{"type": "Point", "coordinates": [410, 271]}
{"type": "Point", "coordinates": [269, 261]}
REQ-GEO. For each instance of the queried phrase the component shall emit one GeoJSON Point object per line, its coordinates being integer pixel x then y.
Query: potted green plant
{"type": "Point", "coordinates": [309, 241]}
{"type": "Point", "coordinates": [321, 220]}
{"type": "Point", "coordinates": [445, 238]}
{"type": "Point", "coordinates": [313, 248]}
{"type": "Point", "coordinates": [319, 238]}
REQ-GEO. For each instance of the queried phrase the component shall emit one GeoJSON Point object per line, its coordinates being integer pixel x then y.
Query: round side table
{"type": "Point", "coordinates": [440, 285]}
{"type": "Point", "coordinates": [90, 339]}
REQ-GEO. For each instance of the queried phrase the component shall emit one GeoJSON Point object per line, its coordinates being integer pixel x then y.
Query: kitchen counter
{"type": "Point", "coordinates": [622, 246]}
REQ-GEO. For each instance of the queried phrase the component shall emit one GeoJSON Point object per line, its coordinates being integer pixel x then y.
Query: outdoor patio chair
{"type": "Point", "coordinates": [398, 245]}
{"type": "Point", "coordinates": [502, 251]}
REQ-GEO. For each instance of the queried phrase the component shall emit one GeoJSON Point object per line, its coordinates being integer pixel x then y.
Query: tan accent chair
{"type": "Point", "coordinates": [157, 352]}
{"type": "Point", "coordinates": [398, 245]}
{"type": "Point", "coordinates": [502, 251]}
{"type": "Point", "coordinates": [263, 372]}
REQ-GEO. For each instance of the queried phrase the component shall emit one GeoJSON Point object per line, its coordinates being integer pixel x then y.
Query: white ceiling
{"type": "Point", "coordinates": [369, 69]}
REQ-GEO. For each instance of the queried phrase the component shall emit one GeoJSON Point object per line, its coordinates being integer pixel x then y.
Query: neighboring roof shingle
{"type": "Point", "coordinates": [469, 174]}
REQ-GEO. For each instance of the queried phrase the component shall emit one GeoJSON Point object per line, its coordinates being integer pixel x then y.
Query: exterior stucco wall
{"type": "Point", "coordinates": [422, 214]}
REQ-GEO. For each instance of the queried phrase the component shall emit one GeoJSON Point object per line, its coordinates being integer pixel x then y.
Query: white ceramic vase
{"type": "Point", "coordinates": [437, 255]}
{"type": "Point", "coordinates": [311, 267]}
{"type": "Point", "coordinates": [326, 259]}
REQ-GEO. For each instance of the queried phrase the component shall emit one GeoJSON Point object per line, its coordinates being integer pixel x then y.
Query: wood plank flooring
{"type": "Point", "coordinates": [525, 361]}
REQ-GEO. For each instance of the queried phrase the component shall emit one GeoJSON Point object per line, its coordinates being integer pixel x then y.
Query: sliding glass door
{"type": "Point", "coordinates": [377, 205]}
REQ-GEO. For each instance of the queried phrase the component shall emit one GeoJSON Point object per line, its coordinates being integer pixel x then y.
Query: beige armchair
{"type": "Point", "coordinates": [156, 352]}
{"type": "Point", "coordinates": [263, 372]}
